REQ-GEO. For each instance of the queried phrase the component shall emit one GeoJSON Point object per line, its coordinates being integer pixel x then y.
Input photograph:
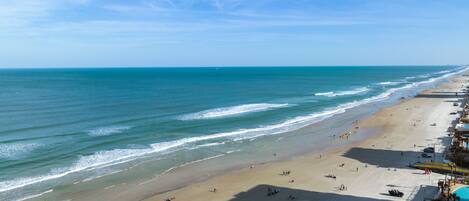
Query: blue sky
{"type": "Point", "coordinates": [100, 33]}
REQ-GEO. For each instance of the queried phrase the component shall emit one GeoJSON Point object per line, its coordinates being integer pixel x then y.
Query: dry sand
{"type": "Point", "coordinates": [382, 160]}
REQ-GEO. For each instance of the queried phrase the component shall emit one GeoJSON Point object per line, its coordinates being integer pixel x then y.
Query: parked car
{"type": "Point", "coordinates": [430, 150]}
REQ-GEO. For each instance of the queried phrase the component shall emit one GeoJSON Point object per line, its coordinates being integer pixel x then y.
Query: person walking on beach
{"type": "Point", "coordinates": [342, 187]}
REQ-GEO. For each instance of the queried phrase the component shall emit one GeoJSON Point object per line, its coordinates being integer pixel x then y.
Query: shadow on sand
{"type": "Point", "coordinates": [426, 193]}
{"type": "Point", "coordinates": [441, 95]}
{"type": "Point", "coordinates": [386, 158]}
{"type": "Point", "coordinates": [259, 193]}
{"type": "Point", "coordinates": [448, 92]}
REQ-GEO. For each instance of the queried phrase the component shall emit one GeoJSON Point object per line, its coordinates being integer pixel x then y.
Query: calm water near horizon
{"type": "Point", "coordinates": [65, 126]}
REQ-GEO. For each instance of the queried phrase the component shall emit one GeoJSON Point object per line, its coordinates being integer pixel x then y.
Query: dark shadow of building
{"type": "Point", "coordinates": [259, 193]}
{"type": "Point", "coordinates": [386, 158]}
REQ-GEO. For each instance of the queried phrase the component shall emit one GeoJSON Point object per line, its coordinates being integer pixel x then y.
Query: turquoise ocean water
{"type": "Point", "coordinates": [61, 126]}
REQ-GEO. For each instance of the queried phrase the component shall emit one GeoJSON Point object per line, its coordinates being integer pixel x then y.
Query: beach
{"type": "Point", "coordinates": [303, 132]}
{"type": "Point", "coordinates": [367, 169]}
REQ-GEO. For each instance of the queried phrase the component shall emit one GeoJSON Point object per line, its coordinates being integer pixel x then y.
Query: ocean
{"type": "Point", "coordinates": [61, 127]}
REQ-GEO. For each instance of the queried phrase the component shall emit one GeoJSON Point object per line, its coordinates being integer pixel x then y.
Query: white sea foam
{"type": "Point", "coordinates": [90, 162]}
{"type": "Point", "coordinates": [233, 151]}
{"type": "Point", "coordinates": [14, 150]}
{"type": "Point", "coordinates": [36, 195]}
{"type": "Point", "coordinates": [209, 144]}
{"type": "Point", "coordinates": [103, 159]}
{"type": "Point", "coordinates": [443, 72]}
{"type": "Point", "coordinates": [192, 162]}
{"type": "Point", "coordinates": [389, 83]}
{"type": "Point", "coordinates": [451, 72]}
{"type": "Point", "coordinates": [343, 93]}
{"type": "Point", "coordinates": [105, 131]}
{"type": "Point", "coordinates": [301, 121]}
{"type": "Point", "coordinates": [116, 156]}
{"type": "Point", "coordinates": [232, 111]}
{"type": "Point", "coordinates": [424, 76]}
{"type": "Point", "coordinates": [329, 93]}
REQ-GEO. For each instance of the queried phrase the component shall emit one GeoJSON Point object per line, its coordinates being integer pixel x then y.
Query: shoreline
{"type": "Point", "coordinates": [372, 142]}
{"type": "Point", "coordinates": [146, 190]}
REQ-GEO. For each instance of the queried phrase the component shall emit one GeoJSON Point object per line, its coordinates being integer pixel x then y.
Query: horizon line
{"type": "Point", "coordinates": [243, 66]}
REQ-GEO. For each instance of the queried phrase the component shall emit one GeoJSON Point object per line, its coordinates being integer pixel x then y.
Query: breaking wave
{"type": "Point", "coordinates": [15, 150]}
{"type": "Point", "coordinates": [105, 131]}
{"type": "Point", "coordinates": [232, 111]}
{"type": "Point", "coordinates": [343, 93]}
{"type": "Point", "coordinates": [112, 157]}
{"type": "Point", "coordinates": [389, 83]}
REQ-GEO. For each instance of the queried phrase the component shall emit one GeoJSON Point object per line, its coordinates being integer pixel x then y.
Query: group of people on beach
{"type": "Point", "coordinates": [331, 176]}
{"type": "Point", "coordinates": [345, 135]}
{"type": "Point", "coordinates": [272, 191]}
{"type": "Point", "coordinates": [286, 173]}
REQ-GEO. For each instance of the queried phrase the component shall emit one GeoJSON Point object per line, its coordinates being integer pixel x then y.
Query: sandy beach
{"type": "Point", "coordinates": [366, 170]}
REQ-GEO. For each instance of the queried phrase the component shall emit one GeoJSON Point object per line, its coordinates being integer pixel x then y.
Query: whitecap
{"type": "Point", "coordinates": [329, 93]}
{"type": "Point", "coordinates": [344, 93]}
{"type": "Point", "coordinates": [232, 111]}
{"type": "Point", "coordinates": [389, 83]}
{"type": "Point", "coordinates": [105, 131]}
{"type": "Point", "coordinates": [14, 150]}
{"type": "Point", "coordinates": [424, 76]}
{"type": "Point", "coordinates": [443, 72]}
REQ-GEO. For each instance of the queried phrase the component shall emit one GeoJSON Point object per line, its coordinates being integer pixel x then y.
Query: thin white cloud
{"type": "Point", "coordinates": [144, 7]}
{"type": "Point", "coordinates": [14, 13]}
{"type": "Point", "coordinates": [146, 22]}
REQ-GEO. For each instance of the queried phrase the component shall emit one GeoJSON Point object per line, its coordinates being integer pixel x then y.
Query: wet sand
{"type": "Point", "coordinates": [367, 169]}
